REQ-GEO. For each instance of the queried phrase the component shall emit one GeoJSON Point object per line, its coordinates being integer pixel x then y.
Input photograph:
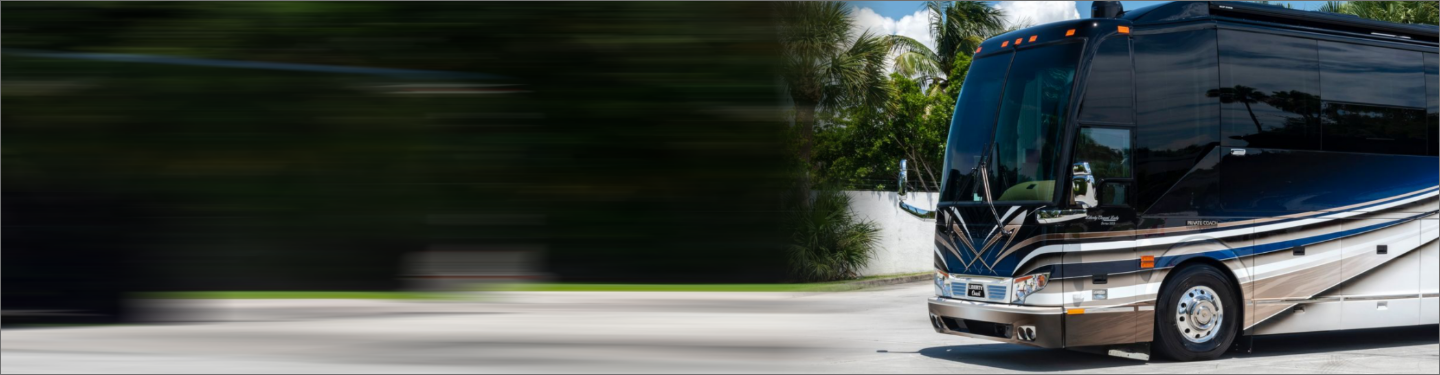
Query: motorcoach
{"type": "Point", "coordinates": [1178, 177]}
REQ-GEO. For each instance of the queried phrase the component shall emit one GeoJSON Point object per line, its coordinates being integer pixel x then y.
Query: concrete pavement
{"type": "Point", "coordinates": [878, 330]}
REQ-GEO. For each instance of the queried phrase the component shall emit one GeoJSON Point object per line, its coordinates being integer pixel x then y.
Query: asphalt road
{"type": "Point", "coordinates": [882, 330]}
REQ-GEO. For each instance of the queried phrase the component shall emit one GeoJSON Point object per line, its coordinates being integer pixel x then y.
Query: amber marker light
{"type": "Point", "coordinates": [977, 49]}
{"type": "Point", "coordinates": [1006, 43]}
{"type": "Point", "coordinates": [1124, 29]}
{"type": "Point", "coordinates": [1070, 32]}
{"type": "Point", "coordinates": [1147, 261]}
{"type": "Point", "coordinates": [1032, 38]}
{"type": "Point", "coordinates": [1018, 40]}
{"type": "Point", "coordinates": [1075, 311]}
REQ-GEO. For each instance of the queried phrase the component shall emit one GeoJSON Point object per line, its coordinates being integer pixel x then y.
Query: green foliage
{"type": "Point", "coordinates": [861, 147]}
{"type": "Point", "coordinates": [829, 242]}
{"type": "Point", "coordinates": [1419, 12]}
{"type": "Point", "coordinates": [958, 27]}
{"type": "Point", "coordinates": [826, 65]}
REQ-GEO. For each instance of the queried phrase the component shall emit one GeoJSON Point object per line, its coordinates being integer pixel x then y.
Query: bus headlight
{"type": "Point", "coordinates": [1028, 285]}
{"type": "Point", "coordinates": [942, 288]}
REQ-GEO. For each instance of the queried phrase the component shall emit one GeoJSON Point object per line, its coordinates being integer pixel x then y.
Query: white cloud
{"type": "Point", "coordinates": [1037, 12]}
{"type": "Point", "coordinates": [916, 26]}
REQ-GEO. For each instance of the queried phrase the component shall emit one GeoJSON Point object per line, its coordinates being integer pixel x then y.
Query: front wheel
{"type": "Point", "coordinates": [1197, 315]}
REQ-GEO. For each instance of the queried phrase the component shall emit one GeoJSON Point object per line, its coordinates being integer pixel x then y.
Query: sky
{"type": "Point", "coordinates": [906, 17]}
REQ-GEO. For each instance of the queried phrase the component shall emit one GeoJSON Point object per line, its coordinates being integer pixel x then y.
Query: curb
{"type": "Point", "coordinates": [906, 279]}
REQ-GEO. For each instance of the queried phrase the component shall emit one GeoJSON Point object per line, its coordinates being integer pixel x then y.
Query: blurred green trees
{"type": "Point", "coordinates": [641, 143]}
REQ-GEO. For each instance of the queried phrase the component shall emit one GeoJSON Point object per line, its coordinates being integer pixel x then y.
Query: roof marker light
{"type": "Point", "coordinates": [977, 49]}
{"type": "Point", "coordinates": [1017, 41]}
{"type": "Point", "coordinates": [1124, 29]}
{"type": "Point", "coordinates": [1032, 38]}
{"type": "Point", "coordinates": [1070, 32]}
{"type": "Point", "coordinates": [1006, 43]}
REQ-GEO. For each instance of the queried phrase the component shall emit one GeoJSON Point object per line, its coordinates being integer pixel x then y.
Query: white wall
{"type": "Point", "coordinates": [906, 242]}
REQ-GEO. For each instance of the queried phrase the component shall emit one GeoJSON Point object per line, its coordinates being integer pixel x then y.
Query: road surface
{"type": "Point", "coordinates": [881, 330]}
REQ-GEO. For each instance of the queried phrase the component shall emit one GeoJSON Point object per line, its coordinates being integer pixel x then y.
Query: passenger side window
{"type": "Point", "coordinates": [1374, 129]}
{"type": "Point", "coordinates": [1173, 73]}
{"type": "Point", "coordinates": [1356, 73]}
{"type": "Point", "coordinates": [1109, 152]}
{"type": "Point", "coordinates": [1106, 149]}
{"type": "Point", "coordinates": [1269, 90]}
{"type": "Point", "coordinates": [1374, 99]}
{"type": "Point", "coordinates": [1109, 90]}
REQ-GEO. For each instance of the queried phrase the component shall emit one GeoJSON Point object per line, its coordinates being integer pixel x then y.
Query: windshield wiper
{"type": "Point", "coordinates": [985, 181]}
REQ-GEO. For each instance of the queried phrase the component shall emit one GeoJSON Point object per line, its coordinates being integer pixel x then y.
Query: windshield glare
{"type": "Point", "coordinates": [1023, 136]}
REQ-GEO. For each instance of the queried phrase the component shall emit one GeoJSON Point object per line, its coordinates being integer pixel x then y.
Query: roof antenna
{"type": "Point", "coordinates": [1106, 9]}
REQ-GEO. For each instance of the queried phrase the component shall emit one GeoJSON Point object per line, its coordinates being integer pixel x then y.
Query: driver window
{"type": "Point", "coordinates": [1109, 153]}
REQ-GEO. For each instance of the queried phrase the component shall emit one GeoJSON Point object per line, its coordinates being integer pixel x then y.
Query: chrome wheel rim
{"type": "Point", "coordinates": [1199, 315]}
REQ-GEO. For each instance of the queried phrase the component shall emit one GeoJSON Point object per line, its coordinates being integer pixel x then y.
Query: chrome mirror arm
{"type": "Point", "coordinates": [916, 211]}
{"type": "Point", "coordinates": [1082, 197]}
{"type": "Point", "coordinates": [912, 210]}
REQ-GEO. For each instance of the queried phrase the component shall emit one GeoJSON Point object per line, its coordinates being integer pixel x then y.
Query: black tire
{"type": "Point", "coordinates": [1168, 340]}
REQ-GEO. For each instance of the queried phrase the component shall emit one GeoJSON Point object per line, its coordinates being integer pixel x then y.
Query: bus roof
{"type": "Point", "coordinates": [1276, 16]}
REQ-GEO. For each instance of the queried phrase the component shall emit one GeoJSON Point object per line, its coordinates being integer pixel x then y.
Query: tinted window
{"type": "Point", "coordinates": [1109, 92]}
{"type": "Point", "coordinates": [1177, 123]}
{"type": "Point", "coordinates": [1269, 90]}
{"type": "Point", "coordinates": [1114, 193]}
{"type": "Point", "coordinates": [1432, 106]}
{"type": "Point", "coordinates": [1374, 129]}
{"type": "Point", "coordinates": [1031, 124]}
{"type": "Point", "coordinates": [1107, 151]}
{"type": "Point", "coordinates": [971, 128]}
{"type": "Point", "coordinates": [1372, 75]}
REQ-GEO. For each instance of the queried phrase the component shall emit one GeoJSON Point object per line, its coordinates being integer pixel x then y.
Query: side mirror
{"type": "Point", "coordinates": [1082, 190]}
{"type": "Point", "coordinates": [904, 174]}
{"type": "Point", "coordinates": [1082, 194]}
{"type": "Point", "coordinates": [912, 210]}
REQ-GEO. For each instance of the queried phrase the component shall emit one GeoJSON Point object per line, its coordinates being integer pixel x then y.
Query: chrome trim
{"type": "Point", "coordinates": [1378, 297]}
{"type": "Point", "coordinates": [1082, 191]}
{"type": "Point", "coordinates": [1291, 301]}
{"type": "Point", "coordinates": [1105, 310]}
{"type": "Point", "coordinates": [1056, 215]}
{"type": "Point", "coordinates": [1372, 297]}
{"type": "Point", "coordinates": [1047, 324]}
{"type": "Point", "coordinates": [996, 307]}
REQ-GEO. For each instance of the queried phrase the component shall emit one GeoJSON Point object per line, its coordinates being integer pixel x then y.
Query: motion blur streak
{"type": "Point", "coordinates": [391, 147]}
{"type": "Point", "coordinates": [315, 145]}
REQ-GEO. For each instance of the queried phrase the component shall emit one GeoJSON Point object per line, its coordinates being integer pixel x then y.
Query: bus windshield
{"type": "Point", "coordinates": [1019, 122]}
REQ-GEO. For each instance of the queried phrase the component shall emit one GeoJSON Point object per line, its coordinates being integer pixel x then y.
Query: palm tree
{"type": "Point", "coordinates": [826, 65]}
{"type": "Point", "coordinates": [958, 27]}
{"type": "Point", "coordinates": [1421, 12]}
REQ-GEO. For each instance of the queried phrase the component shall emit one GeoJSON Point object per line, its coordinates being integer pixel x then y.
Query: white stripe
{"type": "Point", "coordinates": [1116, 293]}
{"type": "Point", "coordinates": [1188, 237]}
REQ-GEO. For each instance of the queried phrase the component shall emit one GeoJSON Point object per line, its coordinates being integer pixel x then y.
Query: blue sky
{"type": "Point", "coordinates": [898, 9]}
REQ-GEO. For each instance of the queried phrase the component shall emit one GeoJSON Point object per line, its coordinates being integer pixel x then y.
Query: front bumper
{"type": "Point", "coordinates": [1025, 325]}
